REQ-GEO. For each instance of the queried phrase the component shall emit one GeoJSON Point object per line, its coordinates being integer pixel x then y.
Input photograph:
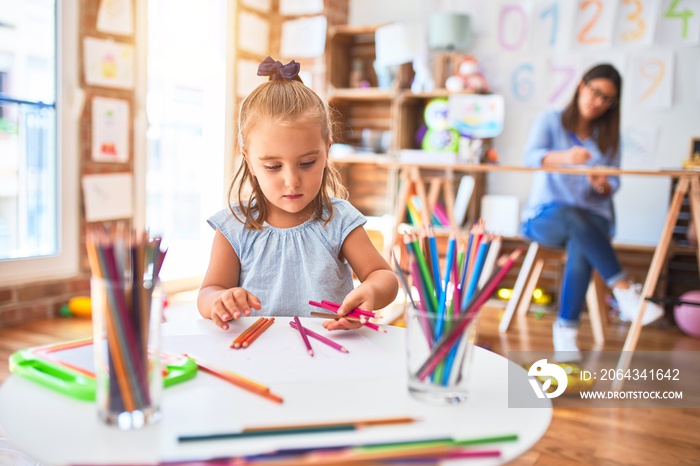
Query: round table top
{"type": "Point", "coordinates": [369, 381]}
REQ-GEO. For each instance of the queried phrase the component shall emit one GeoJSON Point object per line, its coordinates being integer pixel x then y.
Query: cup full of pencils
{"type": "Point", "coordinates": [446, 381]}
{"type": "Point", "coordinates": [441, 322]}
{"type": "Point", "coordinates": [126, 311]}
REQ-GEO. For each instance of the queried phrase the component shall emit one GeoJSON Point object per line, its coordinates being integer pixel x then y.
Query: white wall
{"type": "Point", "coordinates": [642, 202]}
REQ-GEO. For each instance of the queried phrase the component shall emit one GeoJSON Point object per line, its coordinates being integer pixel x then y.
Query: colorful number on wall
{"type": "Point", "coordinates": [514, 13]}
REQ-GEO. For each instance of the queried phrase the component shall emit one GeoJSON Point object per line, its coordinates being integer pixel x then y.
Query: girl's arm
{"type": "Point", "coordinates": [379, 283]}
{"type": "Point", "coordinates": [220, 299]}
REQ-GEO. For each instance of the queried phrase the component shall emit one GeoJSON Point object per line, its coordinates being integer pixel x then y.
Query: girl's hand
{"type": "Point", "coordinates": [356, 298]}
{"type": "Point", "coordinates": [578, 155]}
{"type": "Point", "coordinates": [232, 304]}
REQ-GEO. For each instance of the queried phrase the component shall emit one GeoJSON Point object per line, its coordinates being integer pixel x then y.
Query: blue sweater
{"type": "Point", "coordinates": [548, 134]}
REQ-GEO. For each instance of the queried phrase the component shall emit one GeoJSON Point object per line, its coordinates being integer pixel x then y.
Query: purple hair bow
{"type": "Point", "coordinates": [277, 70]}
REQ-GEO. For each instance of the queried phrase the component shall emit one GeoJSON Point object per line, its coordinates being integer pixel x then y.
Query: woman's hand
{"type": "Point", "coordinates": [356, 298]}
{"type": "Point", "coordinates": [578, 155]}
{"type": "Point", "coordinates": [232, 304]}
{"type": "Point", "coordinates": [599, 183]}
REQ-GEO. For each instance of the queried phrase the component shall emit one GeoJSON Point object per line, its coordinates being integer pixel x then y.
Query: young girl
{"type": "Point", "coordinates": [286, 239]}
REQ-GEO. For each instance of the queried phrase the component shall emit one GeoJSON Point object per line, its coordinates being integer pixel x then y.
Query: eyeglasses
{"type": "Point", "coordinates": [608, 100]}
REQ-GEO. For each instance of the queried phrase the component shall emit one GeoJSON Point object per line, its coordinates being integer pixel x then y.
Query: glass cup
{"type": "Point", "coordinates": [440, 352]}
{"type": "Point", "coordinates": [126, 333]}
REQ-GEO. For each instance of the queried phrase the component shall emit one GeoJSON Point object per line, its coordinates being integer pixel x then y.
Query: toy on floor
{"type": "Point", "coordinates": [688, 315]}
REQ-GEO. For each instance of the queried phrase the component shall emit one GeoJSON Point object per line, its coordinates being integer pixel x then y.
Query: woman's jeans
{"type": "Point", "coordinates": [586, 238]}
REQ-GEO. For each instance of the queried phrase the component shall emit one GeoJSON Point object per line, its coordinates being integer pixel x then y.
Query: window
{"type": "Point", "coordinates": [186, 105]}
{"type": "Point", "coordinates": [38, 141]}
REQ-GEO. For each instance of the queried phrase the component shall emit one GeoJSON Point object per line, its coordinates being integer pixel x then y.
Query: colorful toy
{"type": "Point", "coordinates": [80, 306]}
{"type": "Point", "coordinates": [688, 315]}
{"type": "Point", "coordinates": [468, 78]}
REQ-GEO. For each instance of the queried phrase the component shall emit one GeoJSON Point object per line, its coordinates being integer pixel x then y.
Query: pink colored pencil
{"type": "Point", "coordinates": [332, 308]}
{"type": "Point", "coordinates": [320, 338]}
{"type": "Point", "coordinates": [303, 336]}
{"type": "Point", "coordinates": [357, 309]}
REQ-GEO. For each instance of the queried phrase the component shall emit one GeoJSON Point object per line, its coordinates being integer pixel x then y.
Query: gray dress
{"type": "Point", "coordinates": [287, 267]}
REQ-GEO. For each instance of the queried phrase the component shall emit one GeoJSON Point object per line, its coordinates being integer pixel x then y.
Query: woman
{"type": "Point", "coordinates": [575, 212]}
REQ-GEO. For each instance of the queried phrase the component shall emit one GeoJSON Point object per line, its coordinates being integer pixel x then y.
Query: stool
{"type": "Point", "coordinates": [526, 283]}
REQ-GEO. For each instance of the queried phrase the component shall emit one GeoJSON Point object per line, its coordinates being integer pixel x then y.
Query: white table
{"type": "Point", "coordinates": [368, 382]}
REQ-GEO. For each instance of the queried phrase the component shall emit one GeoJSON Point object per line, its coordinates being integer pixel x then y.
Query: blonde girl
{"type": "Point", "coordinates": [289, 235]}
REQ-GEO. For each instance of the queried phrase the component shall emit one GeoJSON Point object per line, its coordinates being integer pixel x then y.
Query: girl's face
{"type": "Point", "coordinates": [596, 97]}
{"type": "Point", "coordinates": [288, 161]}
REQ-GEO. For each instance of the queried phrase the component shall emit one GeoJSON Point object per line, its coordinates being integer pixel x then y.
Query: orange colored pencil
{"type": "Point", "coordinates": [239, 339]}
{"type": "Point", "coordinates": [236, 379]}
{"type": "Point", "coordinates": [255, 334]}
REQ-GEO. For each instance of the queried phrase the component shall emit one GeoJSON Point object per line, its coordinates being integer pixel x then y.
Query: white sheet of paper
{"type": "Point", "coordinates": [304, 38]}
{"type": "Point", "coordinates": [110, 130]}
{"type": "Point", "coordinates": [636, 22]}
{"type": "Point", "coordinates": [247, 77]}
{"type": "Point", "coordinates": [261, 360]}
{"type": "Point", "coordinates": [253, 33]}
{"type": "Point", "coordinates": [594, 25]}
{"type": "Point", "coordinates": [651, 77]}
{"type": "Point", "coordinates": [108, 63]}
{"type": "Point", "coordinates": [301, 7]}
{"type": "Point", "coordinates": [639, 146]}
{"type": "Point", "coordinates": [107, 196]}
{"type": "Point", "coordinates": [501, 214]}
{"type": "Point", "coordinates": [115, 16]}
{"type": "Point", "coordinates": [679, 25]}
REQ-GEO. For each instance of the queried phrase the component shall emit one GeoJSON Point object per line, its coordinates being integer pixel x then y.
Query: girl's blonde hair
{"type": "Point", "coordinates": [282, 101]}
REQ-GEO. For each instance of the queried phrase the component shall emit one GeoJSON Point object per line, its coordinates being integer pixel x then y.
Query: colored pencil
{"type": "Point", "coordinates": [399, 271]}
{"type": "Point", "coordinates": [356, 310]}
{"type": "Point", "coordinates": [359, 423]}
{"type": "Point", "coordinates": [321, 338]}
{"type": "Point", "coordinates": [414, 248]}
{"type": "Point", "coordinates": [309, 349]}
{"type": "Point", "coordinates": [235, 379]}
{"type": "Point", "coordinates": [435, 262]}
{"type": "Point", "coordinates": [440, 349]}
{"type": "Point", "coordinates": [326, 315]}
{"type": "Point", "coordinates": [257, 332]}
{"type": "Point", "coordinates": [311, 452]}
{"type": "Point", "coordinates": [293, 429]}
{"type": "Point", "coordinates": [333, 307]}
{"type": "Point", "coordinates": [239, 339]}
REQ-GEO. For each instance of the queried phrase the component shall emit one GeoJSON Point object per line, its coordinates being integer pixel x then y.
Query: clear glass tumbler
{"type": "Point", "coordinates": [439, 353]}
{"type": "Point", "coordinates": [126, 332]}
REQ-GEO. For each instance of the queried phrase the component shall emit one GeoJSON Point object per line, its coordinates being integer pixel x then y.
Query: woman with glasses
{"type": "Point", "coordinates": [575, 212]}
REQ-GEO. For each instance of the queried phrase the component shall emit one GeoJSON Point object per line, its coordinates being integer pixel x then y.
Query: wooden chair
{"type": "Point", "coordinates": [526, 283]}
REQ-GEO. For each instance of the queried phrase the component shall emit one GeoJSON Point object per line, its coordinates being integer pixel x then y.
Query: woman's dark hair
{"type": "Point", "coordinates": [607, 126]}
